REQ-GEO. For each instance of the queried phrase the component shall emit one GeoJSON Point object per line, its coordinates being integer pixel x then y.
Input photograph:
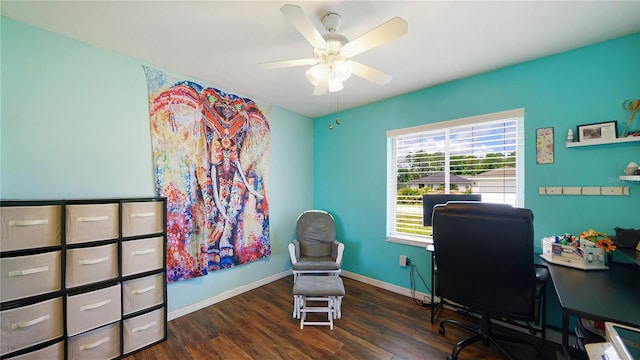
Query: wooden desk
{"type": "Point", "coordinates": [602, 295]}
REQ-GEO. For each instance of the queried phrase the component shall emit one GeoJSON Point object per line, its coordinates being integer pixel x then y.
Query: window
{"type": "Point", "coordinates": [476, 155]}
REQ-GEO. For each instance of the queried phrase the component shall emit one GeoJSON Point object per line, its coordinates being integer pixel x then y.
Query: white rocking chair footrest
{"type": "Point", "coordinates": [317, 309]}
{"type": "Point", "coordinates": [309, 290]}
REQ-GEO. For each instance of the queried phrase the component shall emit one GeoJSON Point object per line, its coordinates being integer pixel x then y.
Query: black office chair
{"type": "Point", "coordinates": [485, 261]}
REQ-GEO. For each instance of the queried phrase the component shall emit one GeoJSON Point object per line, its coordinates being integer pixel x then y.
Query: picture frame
{"type": "Point", "coordinates": [607, 130]}
{"type": "Point", "coordinates": [544, 146]}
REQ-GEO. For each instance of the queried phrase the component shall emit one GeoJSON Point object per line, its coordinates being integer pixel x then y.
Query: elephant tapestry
{"type": "Point", "coordinates": [211, 160]}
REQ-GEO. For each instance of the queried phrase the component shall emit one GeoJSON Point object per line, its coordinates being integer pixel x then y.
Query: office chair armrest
{"type": "Point", "coordinates": [542, 275]}
{"type": "Point", "coordinates": [294, 251]}
{"type": "Point", "coordinates": [337, 249]}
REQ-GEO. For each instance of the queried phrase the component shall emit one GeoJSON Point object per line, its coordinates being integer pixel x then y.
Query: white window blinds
{"type": "Point", "coordinates": [477, 155]}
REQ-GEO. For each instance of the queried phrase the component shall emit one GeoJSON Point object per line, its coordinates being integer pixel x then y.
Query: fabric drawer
{"type": "Point", "coordinates": [143, 330]}
{"type": "Point", "coordinates": [91, 222]}
{"type": "Point", "coordinates": [142, 255]}
{"type": "Point", "coordinates": [102, 343]}
{"type": "Point", "coordinates": [30, 325]}
{"type": "Point", "coordinates": [142, 293]}
{"type": "Point", "coordinates": [24, 276]}
{"type": "Point", "coordinates": [26, 227]}
{"type": "Point", "coordinates": [93, 309]}
{"type": "Point", "coordinates": [92, 264]}
{"type": "Point", "coordinates": [52, 352]}
{"type": "Point", "coordinates": [140, 218]}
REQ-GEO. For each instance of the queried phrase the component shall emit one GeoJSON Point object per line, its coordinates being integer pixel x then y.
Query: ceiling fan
{"type": "Point", "coordinates": [332, 52]}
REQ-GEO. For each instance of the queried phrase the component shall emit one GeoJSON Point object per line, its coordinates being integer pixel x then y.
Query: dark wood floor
{"type": "Point", "coordinates": [375, 324]}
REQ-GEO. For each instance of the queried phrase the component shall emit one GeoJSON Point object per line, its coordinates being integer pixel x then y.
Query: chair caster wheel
{"type": "Point", "coordinates": [449, 357]}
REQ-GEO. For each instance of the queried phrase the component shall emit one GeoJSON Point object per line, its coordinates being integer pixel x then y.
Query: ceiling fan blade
{"type": "Point", "coordinates": [288, 63]}
{"type": "Point", "coordinates": [322, 87]}
{"type": "Point", "coordinates": [369, 73]}
{"type": "Point", "coordinates": [390, 30]}
{"type": "Point", "coordinates": [303, 24]}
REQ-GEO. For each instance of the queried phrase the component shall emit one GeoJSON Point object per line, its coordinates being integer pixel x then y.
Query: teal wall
{"type": "Point", "coordinates": [75, 124]}
{"type": "Point", "coordinates": [583, 86]}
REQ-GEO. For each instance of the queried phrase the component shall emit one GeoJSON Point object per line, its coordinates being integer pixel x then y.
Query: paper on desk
{"type": "Point", "coordinates": [601, 351]}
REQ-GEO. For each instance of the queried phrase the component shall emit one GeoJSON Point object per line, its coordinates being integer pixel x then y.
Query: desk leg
{"type": "Point", "coordinates": [434, 307]}
{"type": "Point", "coordinates": [565, 335]}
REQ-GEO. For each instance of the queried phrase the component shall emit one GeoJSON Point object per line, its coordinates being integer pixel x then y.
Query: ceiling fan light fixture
{"type": "Point", "coordinates": [316, 73]}
{"type": "Point", "coordinates": [335, 84]}
{"type": "Point", "coordinates": [341, 70]}
{"type": "Point", "coordinates": [331, 64]}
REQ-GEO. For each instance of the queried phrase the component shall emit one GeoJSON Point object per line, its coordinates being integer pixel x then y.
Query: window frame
{"type": "Point", "coordinates": [392, 174]}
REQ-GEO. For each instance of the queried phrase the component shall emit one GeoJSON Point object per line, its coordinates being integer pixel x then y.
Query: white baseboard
{"type": "Point", "coordinates": [225, 295]}
{"type": "Point", "coordinates": [420, 296]}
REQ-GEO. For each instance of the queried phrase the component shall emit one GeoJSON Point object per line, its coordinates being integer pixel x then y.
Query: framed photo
{"type": "Point", "coordinates": [544, 145]}
{"type": "Point", "coordinates": [599, 131]}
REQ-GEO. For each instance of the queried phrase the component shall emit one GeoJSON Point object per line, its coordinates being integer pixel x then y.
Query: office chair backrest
{"type": "Point", "coordinates": [484, 257]}
{"type": "Point", "coordinates": [315, 231]}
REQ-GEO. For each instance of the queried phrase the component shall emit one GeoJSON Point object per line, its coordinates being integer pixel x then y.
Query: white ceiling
{"type": "Point", "coordinates": [222, 42]}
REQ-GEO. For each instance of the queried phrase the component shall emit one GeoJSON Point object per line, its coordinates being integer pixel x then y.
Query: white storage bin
{"type": "Point", "coordinates": [143, 330]}
{"type": "Point", "coordinates": [139, 294]}
{"type": "Point", "coordinates": [102, 343]}
{"type": "Point", "coordinates": [142, 255]}
{"type": "Point", "coordinates": [92, 264]}
{"type": "Point", "coordinates": [30, 325]}
{"type": "Point", "coordinates": [140, 218]}
{"type": "Point", "coordinates": [93, 309]}
{"type": "Point", "coordinates": [26, 227]}
{"type": "Point", "coordinates": [24, 276]}
{"type": "Point", "coordinates": [91, 222]}
{"type": "Point", "coordinates": [52, 352]}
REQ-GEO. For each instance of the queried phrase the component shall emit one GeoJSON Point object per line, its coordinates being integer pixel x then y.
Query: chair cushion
{"type": "Point", "coordinates": [315, 263]}
{"type": "Point", "coordinates": [315, 230]}
{"type": "Point", "coordinates": [318, 286]}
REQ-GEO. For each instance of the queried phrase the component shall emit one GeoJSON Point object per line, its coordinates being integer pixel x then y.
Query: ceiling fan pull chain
{"type": "Point", "coordinates": [338, 110]}
{"type": "Point", "coordinates": [330, 111]}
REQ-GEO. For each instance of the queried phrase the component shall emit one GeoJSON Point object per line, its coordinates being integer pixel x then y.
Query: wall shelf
{"type": "Point", "coordinates": [630, 177]}
{"type": "Point", "coordinates": [601, 142]}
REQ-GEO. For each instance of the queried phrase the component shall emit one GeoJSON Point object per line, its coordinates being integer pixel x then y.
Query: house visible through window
{"type": "Point", "coordinates": [477, 155]}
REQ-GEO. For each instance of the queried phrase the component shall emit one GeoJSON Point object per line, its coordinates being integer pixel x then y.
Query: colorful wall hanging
{"type": "Point", "coordinates": [544, 145]}
{"type": "Point", "coordinates": [211, 161]}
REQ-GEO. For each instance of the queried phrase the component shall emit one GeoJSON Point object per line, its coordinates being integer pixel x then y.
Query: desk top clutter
{"type": "Point", "coordinates": [587, 251]}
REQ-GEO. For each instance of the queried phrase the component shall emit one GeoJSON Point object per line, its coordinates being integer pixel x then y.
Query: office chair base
{"type": "Point", "coordinates": [485, 335]}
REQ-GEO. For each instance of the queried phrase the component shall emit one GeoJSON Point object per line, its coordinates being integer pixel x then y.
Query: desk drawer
{"type": "Point", "coordinates": [142, 293]}
{"type": "Point", "coordinates": [140, 218]}
{"type": "Point", "coordinates": [24, 276]}
{"type": "Point", "coordinates": [91, 222]}
{"type": "Point", "coordinates": [53, 352]}
{"type": "Point", "coordinates": [30, 325]}
{"type": "Point", "coordinates": [142, 255]}
{"type": "Point", "coordinates": [93, 309]}
{"type": "Point", "coordinates": [102, 343]}
{"type": "Point", "coordinates": [143, 330]}
{"type": "Point", "coordinates": [26, 227]}
{"type": "Point", "coordinates": [92, 264]}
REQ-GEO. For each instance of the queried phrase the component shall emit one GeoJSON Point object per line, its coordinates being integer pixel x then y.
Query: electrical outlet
{"type": "Point", "coordinates": [403, 260]}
